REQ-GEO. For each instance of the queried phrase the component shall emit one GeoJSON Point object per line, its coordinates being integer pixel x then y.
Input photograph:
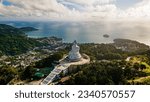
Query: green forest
{"type": "Point", "coordinates": [14, 41]}
{"type": "Point", "coordinates": [109, 66]}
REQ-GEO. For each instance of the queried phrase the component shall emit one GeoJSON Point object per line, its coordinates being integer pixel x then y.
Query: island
{"type": "Point", "coordinates": [28, 29]}
{"type": "Point", "coordinates": [106, 36]}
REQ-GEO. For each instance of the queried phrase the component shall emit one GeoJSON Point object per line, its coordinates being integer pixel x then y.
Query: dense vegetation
{"type": "Point", "coordinates": [130, 45]}
{"type": "Point", "coordinates": [105, 73]}
{"type": "Point", "coordinates": [109, 66]}
{"type": "Point", "coordinates": [27, 73]}
{"type": "Point", "coordinates": [49, 61]}
{"type": "Point", "coordinates": [9, 30]}
{"type": "Point", "coordinates": [30, 71]}
{"type": "Point", "coordinates": [120, 49]}
{"type": "Point", "coordinates": [14, 41]}
{"type": "Point", "coordinates": [7, 74]}
{"type": "Point", "coordinates": [103, 51]}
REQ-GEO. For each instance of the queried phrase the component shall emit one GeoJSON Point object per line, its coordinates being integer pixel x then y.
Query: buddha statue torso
{"type": "Point", "coordinates": [74, 54]}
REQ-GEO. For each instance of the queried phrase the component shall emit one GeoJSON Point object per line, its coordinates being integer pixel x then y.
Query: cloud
{"type": "Point", "coordinates": [90, 2]}
{"type": "Point", "coordinates": [72, 10]}
{"type": "Point", "coordinates": [140, 10]}
{"type": "Point", "coordinates": [1, 1]}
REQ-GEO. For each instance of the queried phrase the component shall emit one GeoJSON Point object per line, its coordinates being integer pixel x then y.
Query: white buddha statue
{"type": "Point", "coordinates": [74, 54]}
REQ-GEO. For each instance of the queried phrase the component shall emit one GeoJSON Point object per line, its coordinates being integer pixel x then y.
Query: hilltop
{"type": "Point", "coordinates": [14, 40]}
{"type": "Point", "coordinates": [28, 29]}
{"type": "Point", "coordinates": [10, 30]}
{"type": "Point", "coordinates": [130, 45]}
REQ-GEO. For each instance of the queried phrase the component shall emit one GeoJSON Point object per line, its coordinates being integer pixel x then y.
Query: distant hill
{"type": "Point", "coordinates": [130, 45]}
{"type": "Point", "coordinates": [28, 29]}
{"type": "Point", "coordinates": [14, 40]}
{"type": "Point", "coordinates": [9, 30]}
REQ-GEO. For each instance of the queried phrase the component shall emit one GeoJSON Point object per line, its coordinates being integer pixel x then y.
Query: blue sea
{"type": "Point", "coordinates": [88, 32]}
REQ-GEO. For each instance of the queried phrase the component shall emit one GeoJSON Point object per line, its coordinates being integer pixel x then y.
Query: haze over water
{"type": "Point", "coordinates": [89, 32]}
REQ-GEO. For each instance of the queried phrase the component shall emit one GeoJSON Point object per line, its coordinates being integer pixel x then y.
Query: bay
{"type": "Point", "coordinates": [88, 32]}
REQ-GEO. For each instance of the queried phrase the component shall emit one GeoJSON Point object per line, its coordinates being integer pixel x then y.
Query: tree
{"type": "Point", "coordinates": [7, 74]}
{"type": "Point", "coordinates": [142, 66]}
{"type": "Point", "coordinates": [136, 66]}
{"type": "Point", "coordinates": [103, 73]}
{"type": "Point", "coordinates": [28, 73]}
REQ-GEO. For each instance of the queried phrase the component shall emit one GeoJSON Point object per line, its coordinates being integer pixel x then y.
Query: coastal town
{"type": "Point", "coordinates": [24, 60]}
{"type": "Point", "coordinates": [34, 55]}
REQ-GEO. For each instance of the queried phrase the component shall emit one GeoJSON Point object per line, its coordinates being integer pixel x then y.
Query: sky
{"type": "Point", "coordinates": [75, 10]}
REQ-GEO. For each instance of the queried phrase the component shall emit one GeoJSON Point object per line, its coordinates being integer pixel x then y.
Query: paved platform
{"type": "Point", "coordinates": [64, 64]}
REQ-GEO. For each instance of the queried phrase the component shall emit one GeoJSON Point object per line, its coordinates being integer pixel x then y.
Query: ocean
{"type": "Point", "coordinates": [88, 32]}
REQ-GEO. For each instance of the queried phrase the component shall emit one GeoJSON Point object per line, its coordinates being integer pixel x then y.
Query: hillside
{"type": "Point", "coordinates": [9, 30]}
{"type": "Point", "coordinates": [14, 41]}
{"type": "Point", "coordinates": [28, 29]}
{"type": "Point", "coordinates": [130, 45]}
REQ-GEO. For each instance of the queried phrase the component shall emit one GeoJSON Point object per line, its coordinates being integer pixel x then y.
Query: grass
{"type": "Point", "coordinates": [143, 80]}
{"type": "Point", "coordinates": [147, 70]}
{"type": "Point", "coordinates": [142, 61]}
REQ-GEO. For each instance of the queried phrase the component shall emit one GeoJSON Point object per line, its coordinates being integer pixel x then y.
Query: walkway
{"type": "Point", "coordinates": [61, 67]}
{"type": "Point", "coordinates": [50, 78]}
